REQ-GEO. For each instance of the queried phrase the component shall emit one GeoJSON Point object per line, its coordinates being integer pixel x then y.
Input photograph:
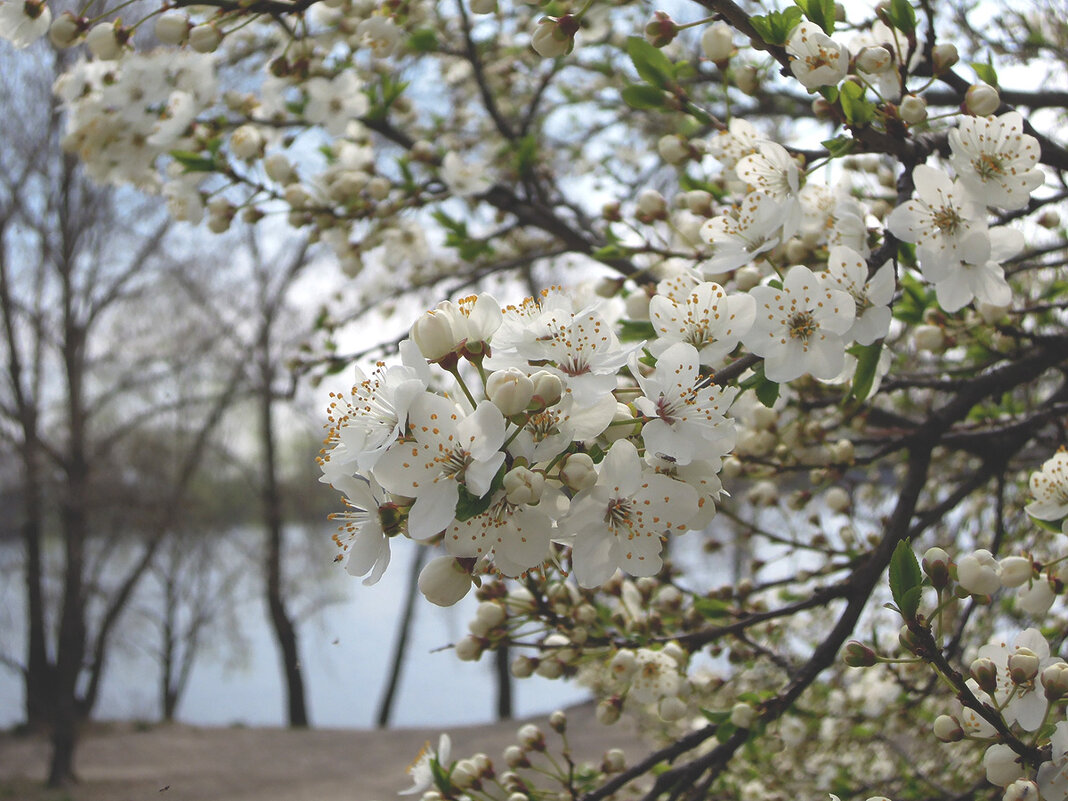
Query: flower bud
{"type": "Point", "coordinates": [1015, 571]}
{"type": "Point", "coordinates": [469, 649]}
{"type": "Point", "coordinates": [620, 430]}
{"type": "Point", "coordinates": [935, 564]}
{"type": "Point", "coordinates": [523, 486]}
{"type": "Point", "coordinates": [1021, 790]}
{"type": "Point", "coordinates": [985, 673]}
{"type": "Point", "coordinates": [857, 654]}
{"type": "Point", "coordinates": [1023, 666]}
{"type": "Point", "coordinates": [743, 716]}
{"type": "Point", "coordinates": [522, 667]}
{"type": "Point", "coordinates": [943, 57]}
{"type": "Point", "coordinates": [548, 388]}
{"type": "Point", "coordinates": [491, 613]}
{"type": "Point", "coordinates": [1055, 681]}
{"type": "Point", "coordinates": [907, 640]}
{"type": "Point", "coordinates": [510, 390]}
{"type": "Point", "coordinates": [578, 472]}
{"type": "Point", "coordinates": [673, 148]}
{"type": "Point", "coordinates": [246, 142]}
{"type": "Point", "coordinates": [172, 27]}
{"type": "Point", "coordinates": [103, 41]}
{"type": "Point", "coordinates": [433, 334]}
{"type": "Point", "coordinates": [930, 338]}
{"type": "Point", "coordinates": [531, 737]}
{"type": "Point", "coordinates": [747, 78]}
{"type": "Point", "coordinates": [651, 205]}
{"type": "Point", "coordinates": [554, 36]}
{"type": "Point", "coordinates": [558, 721]}
{"type": "Point", "coordinates": [978, 573]}
{"type": "Point", "coordinates": [948, 729]}
{"type": "Point", "coordinates": [837, 499]}
{"type": "Point", "coordinates": [1036, 599]}
{"type": "Point", "coordinates": [874, 59]}
{"type": "Point", "coordinates": [608, 710]}
{"type": "Point", "coordinates": [981, 99]}
{"type": "Point", "coordinates": [671, 708]}
{"type": "Point", "coordinates": [913, 109]}
{"type": "Point", "coordinates": [717, 43]}
{"type": "Point", "coordinates": [1002, 767]}
{"type": "Point", "coordinates": [747, 277]}
{"type": "Point", "coordinates": [550, 668]}
{"type": "Point", "coordinates": [661, 30]}
{"type": "Point", "coordinates": [464, 774]}
{"type": "Point", "coordinates": [623, 664]}
{"type": "Point", "coordinates": [516, 757]}
{"type": "Point", "coordinates": [443, 581]}
{"type": "Point", "coordinates": [65, 30]}
{"type": "Point", "coordinates": [205, 38]}
{"type": "Point", "coordinates": [615, 761]}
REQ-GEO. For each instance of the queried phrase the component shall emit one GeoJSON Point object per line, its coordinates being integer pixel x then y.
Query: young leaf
{"type": "Point", "coordinates": [650, 62]}
{"type": "Point", "coordinates": [902, 16]}
{"type": "Point", "coordinates": [858, 111]}
{"type": "Point", "coordinates": [775, 26]}
{"type": "Point", "coordinates": [839, 146]}
{"type": "Point", "coordinates": [867, 362]}
{"type": "Point", "coordinates": [906, 580]}
{"type": "Point", "coordinates": [193, 162]}
{"type": "Point", "coordinates": [820, 12]}
{"type": "Point", "coordinates": [985, 72]}
{"type": "Point", "coordinates": [636, 331]}
{"type": "Point", "coordinates": [643, 96]}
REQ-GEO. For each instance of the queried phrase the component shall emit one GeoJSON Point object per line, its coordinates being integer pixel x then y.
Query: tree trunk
{"type": "Point", "coordinates": [284, 630]}
{"type": "Point", "coordinates": [385, 706]}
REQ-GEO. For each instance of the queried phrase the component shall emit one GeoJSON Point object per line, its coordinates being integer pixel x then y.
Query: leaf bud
{"type": "Point", "coordinates": [857, 654]}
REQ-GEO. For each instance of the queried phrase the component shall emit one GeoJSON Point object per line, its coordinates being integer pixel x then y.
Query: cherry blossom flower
{"type": "Point", "coordinates": [421, 770]}
{"type": "Point", "coordinates": [1053, 775]}
{"type": "Point", "coordinates": [361, 535]}
{"type": "Point", "coordinates": [979, 274]}
{"type": "Point", "coordinates": [800, 328]}
{"type": "Point", "coordinates": [24, 21]}
{"type": "Point", "coordinates": [655, 676]}
{"type": "Point", "coordinates": [334, 102]}
{"type": "Point", "coordinates": [846, 270]}
{"type": "Point", "coordinates": [1021, 699]}
{"type": "Point", "coordinates": [687, 413]}
{"type": "Point", "coordinates": [1049, 486]}
{"type": "Point", "coordinates": [739, 140]}
{"type": "Point", "coordinates": [995, 160]}
{"type": "Point", "coordinates": [618, 523]}
{"type": "Point", "coordinates": [446, 449]}
{"type": "Point", "coordinates": [743, 233]}
{"type": "Point", "coordinates": [773, 171]}
{"type": "Point", "coordinates": [463, 180]}
{"type": "Point", "coordinates": [815, 58]}
{"type": "Point", "coordinates": [707, 318]}
{"type": "Point", "coordinates": [938, 220]}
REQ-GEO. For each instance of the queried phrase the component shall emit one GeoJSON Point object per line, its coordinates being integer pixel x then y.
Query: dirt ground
{"type": "Point", "coordinates": [126, 762]}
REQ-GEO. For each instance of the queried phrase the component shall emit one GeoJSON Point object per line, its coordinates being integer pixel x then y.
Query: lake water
{"type": "Point", "coordinates": [345, 650]}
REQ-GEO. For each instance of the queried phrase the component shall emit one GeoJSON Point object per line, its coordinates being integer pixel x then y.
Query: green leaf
{"type": "Point", "coordinates": [906, 580]}
{"type": "Point", "coordinates": [710, 608]}
{"type": "Point", "coordinates": [864, 375]}
{"type": "Point", "coordinates": [767, 392]}
{"type": "Point", "coordinates": [636, 331]}
{"type": "Point", "coordinates": [423, 40]}
{"type": "Point", "coordinates": [985, 72]}
{"type": "Point", "coordinates": [830, 93]}
{"type": "Point", "coordinates": [643, 96]}
{"type": "Point", "coordinates": [651, 63]}
{"type": "Point", "coordinates": [914, 301]}
{"type": "Point", "coordinates": [775, 26]}
{"type": "Point", "coordinates": [193, 162]}
{"type": "Point", "coordinates": [469, 505]}
{"type": "Point", "coordinates": [902, 16]}
{"type": "Point", "coordinates": [526, 154]}
{"type": "Point", "coordinates": [819, 11]}
{"type": "Point", "coordinates": [839, 146]}
{"type": "Point", "coordinates": [858, 111]}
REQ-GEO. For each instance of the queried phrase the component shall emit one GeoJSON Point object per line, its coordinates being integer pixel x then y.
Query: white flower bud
{"type": "Point", "coordinates": [607, 712]}
{"type": "Point", "coordinates": [464, 774]}
{"type": "Point", "coordinates": [516, 757]}
{"type": "Point", "coordinates": [981, 99]}
{"type": "Point", "coordinates": [1002, 767]}
{"type": "Point", "coordinates": [615, 761]}
{"type": "Point", "coordinates": [550, 668]}
{"type": "Point", "coordinates": [764, 418]}
{"type": "Point", "coordinates": [64, 30]}
{"type": "Point", "coordinates": [930, 338]}
{"type": "Point", "coordinates": [671, 708]}
{"type": "Point", "coordinates": [943, 57]}
{"type": "Point", "coordinates": [443, 581]}
{"type": "Point", "coordinates": [578, 472]}
{"type": "Point", "coordinates": [732, 467]}
{"type": "Point", "coordinates": [977, 573]}
{"type": "Point", "coordinates": [747, 277]}
{"type": "Point", "coordinates": [874, 59]}
{"type": "Point", "coordinates": [717, 42]}
{"type": "Point", "coordinates": [913, 109]}
{"type": "Point", "coordinates": [522, 667]}
{"type": "Point", "coordinates": [837, 499]}
{"type": "Point", "coordinates": [103, 42]}
{"type": "Point", "coordinates": [743, 716]}
{"type": "Point", "coordinates": [623, 664]}
{"type": "Point", "coordinates": [1021, 790]}
{"type": "Point", "coordinates": [1036, 599]}
{"type": "Point", "coordinates": [747, 78]}
{"type": "Point", "coordinates": [298, 196]}
{"type": "Point", "coordinates": [510, 390]}
{"type": "Point", "coordinates": [246, 142]}
{"type": "Point", "coordinates": [699, 202]}
{"type": "Point", "coordinates": [763, 493]}
{"type": "Point", "coordinates": [619, 430]}
{"type": "Point", "coordinates": [548, 388]}
{"type": "Point", "coordinates": [172, 27]}
{"type": "Point", "coordinates": [491, 613]}
{"type": "Point", "coordinates": [1015, 570]}
{"type": "Point", "coordinates": [554, 36]}
{"type": "Point", "coordinates": [433, 334]}
{"type": "Point", "coordinates": [1055, 680]}
{"type": "Point", "coordinates": [530, 736]}
{"type": "Point", "coordinates": [948, 729]}
{"type": "Point", "coordinates": [652, 204]}
{"type": "Point", "coordinates": [673, 149]}
{"type": "Point", "coordinates": [469, 649]}
{"type": "Point", "coordinates": [523, 486]}
{"type": "Point", "coordinates": [842, 451]}
{"type": "Point", "coordinates": [205, 38]}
